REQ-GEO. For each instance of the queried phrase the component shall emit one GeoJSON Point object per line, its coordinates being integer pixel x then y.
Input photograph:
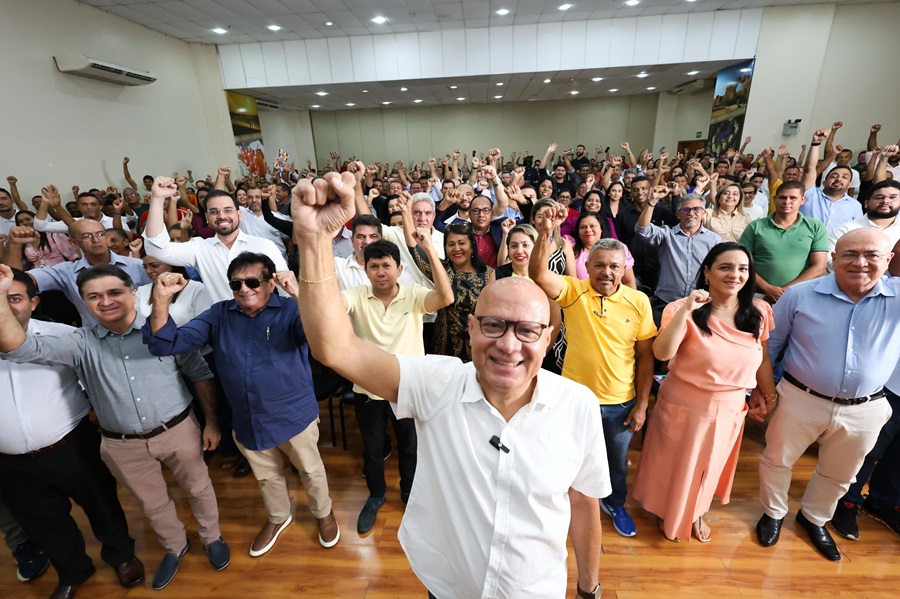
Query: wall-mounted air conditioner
{"type": "Point", "coordinates": [692, 87]}
{"type": "Point", "coordinates": [83, 66]}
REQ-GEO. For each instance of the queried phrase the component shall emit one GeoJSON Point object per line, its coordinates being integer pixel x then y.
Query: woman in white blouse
{"type": "Point", "coordinates": [188, 303]}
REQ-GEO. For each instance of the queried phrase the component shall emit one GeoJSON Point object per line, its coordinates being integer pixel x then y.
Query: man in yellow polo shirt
{"type": "Point", "coordinates": [390, 316]}
{"type": "Point", "coordinates": [610, 331]}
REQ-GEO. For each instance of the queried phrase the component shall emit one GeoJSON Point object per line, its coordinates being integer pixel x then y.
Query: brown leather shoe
{"type": "Point", "coordinates": [329, 531]}
{"type": "Point", "coordinates": [266, 538]}
{"type": "Point", "coordinates": [64, 591]}
{"type": "Point", "coordinates": [130, 573]}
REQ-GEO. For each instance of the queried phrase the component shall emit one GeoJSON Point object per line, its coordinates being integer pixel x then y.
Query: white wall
{"type": "Point", "coordinates": [70, 130]}
{"type": "Point", "coordinates": [680, 117]}
{"type": "Point", "coordinates": [824, 63]}
{"type": "Point", "coordinates": [289, 130]}
{"type": "Point", "coordinates": [418, 133]}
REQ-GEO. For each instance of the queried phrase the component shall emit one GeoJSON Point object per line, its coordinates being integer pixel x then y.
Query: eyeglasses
{"type": "Point", "coordinates": [216, 211]}
{"type": "Point", "coordinates": [526, 331]}
{"type": "Point", "coordinates": [854, 256]}
{"type": "Point", "coordinates": [97, 235]}
{"type": "Point", "coordinates": [893, 196]}
{"type": "Point", "coordinates": [480, 210]}
{"type": "Point", "coordinates": [250, 282]}
{"type": "Point", "coordinates": [695, 209]}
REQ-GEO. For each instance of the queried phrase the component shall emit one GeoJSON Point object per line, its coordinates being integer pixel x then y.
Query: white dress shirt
{"type": "Point", "coordinates": [58, 226]}
{"type": "Point", "coordinates": [6, 224]}
{"type": "Point", "coordinates": [482, 522]}
{"type": "Point", "coordinates": [192, 300]}
{"type": "Point", "coordinates": [257, 225]}
{"type": "Point", "coordinates": [40, 404]}
{"type": "Point", "coordinates": [863, 222]}
{"type": "Point", "coordinates": [210, 257]}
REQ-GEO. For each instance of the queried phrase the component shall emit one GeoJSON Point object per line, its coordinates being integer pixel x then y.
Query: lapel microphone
{"type": "Point", "coordinates": [495, 441]}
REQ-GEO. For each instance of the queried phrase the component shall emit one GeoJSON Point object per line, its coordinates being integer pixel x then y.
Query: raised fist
{"type": "Point", "coordinates": [163, 187]}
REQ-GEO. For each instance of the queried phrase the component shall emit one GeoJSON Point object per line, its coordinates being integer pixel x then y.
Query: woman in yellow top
{"type": "Point", "coordinates": [727, 216]}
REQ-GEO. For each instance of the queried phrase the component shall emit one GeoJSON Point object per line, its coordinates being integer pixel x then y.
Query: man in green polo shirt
{"type": "Point", "coordinates": [787, 247]}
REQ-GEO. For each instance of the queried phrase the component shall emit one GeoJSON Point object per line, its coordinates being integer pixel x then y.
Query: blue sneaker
{"type": "Point", "coordinates": [31, 562]}
{"type": "Point", "coordinates": [168, 567]}
{"type": "Point", "coordinates": [622, 522]}
{"type": "Point", "coordinates": [219, 554]}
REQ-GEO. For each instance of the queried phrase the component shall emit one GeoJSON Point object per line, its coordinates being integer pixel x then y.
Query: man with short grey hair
{"type": "Point", "coordinates": [682, 247]}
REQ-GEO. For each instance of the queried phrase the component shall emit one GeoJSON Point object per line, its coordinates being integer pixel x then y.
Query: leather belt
{"type": "Point", "coordinates": [149, 434]}
{"type": "Point", "coordinates": [83, 424]}
{"type": "Point", "coordinates": [853, 401]}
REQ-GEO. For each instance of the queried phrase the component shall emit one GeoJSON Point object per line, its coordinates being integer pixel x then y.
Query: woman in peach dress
{"type": "Point", "coordinates": [715, 341]}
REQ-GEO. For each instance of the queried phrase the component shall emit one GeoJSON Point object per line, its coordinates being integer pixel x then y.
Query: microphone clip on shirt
{"type": "Point", "coordinates": [495, 441]}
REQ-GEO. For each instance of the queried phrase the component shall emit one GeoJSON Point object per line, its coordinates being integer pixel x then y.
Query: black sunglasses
{"type": "Point", "coordinates": [250, 282]}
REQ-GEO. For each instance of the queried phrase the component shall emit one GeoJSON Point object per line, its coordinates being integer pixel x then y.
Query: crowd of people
{"type": "Point", "coordinates": [485, 306]}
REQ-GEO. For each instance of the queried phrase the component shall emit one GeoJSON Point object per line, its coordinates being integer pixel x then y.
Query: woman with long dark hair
{"type": "Point", "coordinates": [47, 249]}
{"type": "Point", "coordinates": [468, 275]}
{"type": "Point", "coordinates": [589, 229]}
{"type": "Point", "coordinates": [715, 341]}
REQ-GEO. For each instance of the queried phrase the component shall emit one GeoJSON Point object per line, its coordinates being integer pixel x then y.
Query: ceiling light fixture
{"type": "Point", "coordinates": [453, 86]}
{"type": "Point", "coordinates": [274, 27]}
{"type": "Point", "coordinates": [386, 103]}
{"type": "Point", "coordinates": [546, 81]}
{"type": "Point", "coordinates": [641, 75]}
{"type": "Point", "coordinates": [315, 106]}
{"type": "Point", "coordinates": [632, 2]}
{"type": "Point", "coordinates": [499, 84]}
{"type": "Point", "coordinates": [595, 79]}
{"type": "Point", "coordinates": [615, 89]}
{"type": "Point", "coordinates": [692, 73]}
{"type": "Point", "coordinates": [379, 20]}
{"type": "Point", "coordinates": [323, 94]}
{"type": "Point", "coordinates": [503, 12]}
{"type": "Point", "coordinates": [220, 31]}
{"type": "Point", "coordinates": [565, 6]}
{"type": "Point", "coordinates": [417, 101]}
{"type": "Point", "coordinates": [497, 97]}
{"type": "Point", "coordinates": [404, 89]}
{"type": "Point", "coordinates": [460, 99]}
{"type": "Point", "coordinates": [650, 89]}
{"type": "Point", "coordinates": [349, 104]}
{"type": "Point", "coordinates": [365, 91]}
{"type": "Point", "coordinates": [328, 23]}
{"type": "Point", "coordinates": [574, 92]}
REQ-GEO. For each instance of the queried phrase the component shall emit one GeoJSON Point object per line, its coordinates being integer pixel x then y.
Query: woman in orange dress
{"type": "Point", "coordinates": [715, 341]}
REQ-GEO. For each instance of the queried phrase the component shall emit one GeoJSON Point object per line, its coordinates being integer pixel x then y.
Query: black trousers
{"type": "Point", "coordinates": [37, 491]}
{"type": "Point", "coordinates": [372, 417]}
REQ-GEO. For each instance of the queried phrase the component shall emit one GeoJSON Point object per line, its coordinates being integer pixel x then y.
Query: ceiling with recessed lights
{"type": "Point", "coordinates": [245, 21]}
{"type": "Point", "coordinates": [518, 87]}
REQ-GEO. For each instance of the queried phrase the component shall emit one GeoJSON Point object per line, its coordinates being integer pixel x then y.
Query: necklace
{"type": "Point", "coordinates": [715, 307]}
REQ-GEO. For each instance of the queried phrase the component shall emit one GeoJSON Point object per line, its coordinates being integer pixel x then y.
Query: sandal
{"type": "Point", "coordinates": [662, 530]}
{"type": "Point", "coordinates": [700, 531]}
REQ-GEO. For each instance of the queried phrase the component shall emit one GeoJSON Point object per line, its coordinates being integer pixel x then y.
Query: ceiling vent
{"type": "Point", "coordinates": [83, 66]}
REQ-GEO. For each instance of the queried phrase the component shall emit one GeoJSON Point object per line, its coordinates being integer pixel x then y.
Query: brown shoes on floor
{"type": "Point", "coordinates": [329, 531]}
{"type": "Point", "coordinates": [266, 538]}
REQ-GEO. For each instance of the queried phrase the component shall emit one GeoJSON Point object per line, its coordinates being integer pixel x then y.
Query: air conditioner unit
{"type": "Point", "coordinates": [692, 87]}
{"type": "Point", "coordinates": [266, 104]}
{"type": "Point", "coordinates": [84, 66]}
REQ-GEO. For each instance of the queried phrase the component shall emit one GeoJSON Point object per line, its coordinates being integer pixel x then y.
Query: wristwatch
{"type": "Point", "coordinates": [594, 594]}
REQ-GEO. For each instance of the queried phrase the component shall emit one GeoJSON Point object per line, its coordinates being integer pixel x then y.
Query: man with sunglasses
{"type": "Point", "coordinates": [262, 358]}
{"type": "Point", "coordinates": [90, 237]}
{"type": "Point", "coordinates": [212, 256]}
{"type": "Point", "coordinates": [682, 247]}
{"type": "Point", "coordinates": [510, 458]}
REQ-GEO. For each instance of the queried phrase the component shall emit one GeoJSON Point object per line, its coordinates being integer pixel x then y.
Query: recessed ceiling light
{"type": "Point", "coordinates": [632, 2]}
{"type": "Point", "coordinates": [460, 99]}
{"type": "Point", "coordinates": [691, 0]}
{"type": "Point", "coordinates": [574, 92]}
{"type": "Point", "coordinates": [597, 79]}
{"type": "Point", "coordinates": [385, 103]}
{"type": "Point", "coordinates": [546, 81]}
{"type": "Point", "coordinates": [417, 101]}
{"type": "Point", "coordinates": [692, 73]}
{"type": "Point", "coordinates": [641, 75]}
{"type": "Point", "coordinates": [365, 91]}
{"type": "Point", "coordinates": [379, 20]}
{"type": "Point", "coordinates": [497, 97]}
{"type": "Point", "coordinates": [565, 6]}
{"type": "Point", "coordinates": [651, 89]}
{"type": "Point", "coordinates": [274, 27]}
{"type": "Point", "coordinates": [615, 89]}
{"type": "Point", "coordinates": [453, 86]}
{"type": "Point", "coordinates": [503, 12]}
{"type": "Point", "coordinates": [350, 104]}
{"type": "Point", "coordinates": [323, 94]}
{"type": "Point", "coordinates": [220, 31]}
{"type": "Point", "coordinates": [328, 23]}
{"type": "Point", "coordinates": [315, 106]}
{"type": "Point", "coordinates": [499, 84]}
{"type": "Point", "coordinates": [403, 89]}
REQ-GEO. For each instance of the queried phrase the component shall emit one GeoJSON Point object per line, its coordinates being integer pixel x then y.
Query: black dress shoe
{"type": "Point", "coordinates": [64, 591]}
{"type": "Point", "coordinates": [820, 537]}
{"type": "Point", "coordinates": [130, 573]}
{"type": "Point", "coordinates": [242, 469]}
{"type": "Point", "coordinates": [768, 530]}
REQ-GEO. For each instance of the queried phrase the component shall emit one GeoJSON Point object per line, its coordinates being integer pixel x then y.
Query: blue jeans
{"type": "Point", "coordinates": [882, 465]}
{"type": "Point", "coordinates": [618, 438]}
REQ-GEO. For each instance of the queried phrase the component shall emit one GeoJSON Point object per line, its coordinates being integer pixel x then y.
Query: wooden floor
{"type": "Point", "coordinates": [374, 567]}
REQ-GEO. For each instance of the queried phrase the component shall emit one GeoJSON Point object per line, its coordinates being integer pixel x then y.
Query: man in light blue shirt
{"type": "Point", "coordinates": [841, 337]}
{"type": "Point", "coordinates": [830, 203]}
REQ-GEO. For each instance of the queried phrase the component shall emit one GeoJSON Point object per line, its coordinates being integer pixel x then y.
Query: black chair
{"type": "Point", "coordinates": [328, 384]}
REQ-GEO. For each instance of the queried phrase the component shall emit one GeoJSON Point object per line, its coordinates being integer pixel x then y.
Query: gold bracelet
{"type": "Point", "coordinates": [773, 396]}
{"type": "Point", "coordinates": [328, 278]}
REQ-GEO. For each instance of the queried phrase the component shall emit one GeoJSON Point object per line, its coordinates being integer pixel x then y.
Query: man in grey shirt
{"type": "Point", "coordinates": [682, 247]}
{"type": "Point", "coordinates": [143, 407]}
